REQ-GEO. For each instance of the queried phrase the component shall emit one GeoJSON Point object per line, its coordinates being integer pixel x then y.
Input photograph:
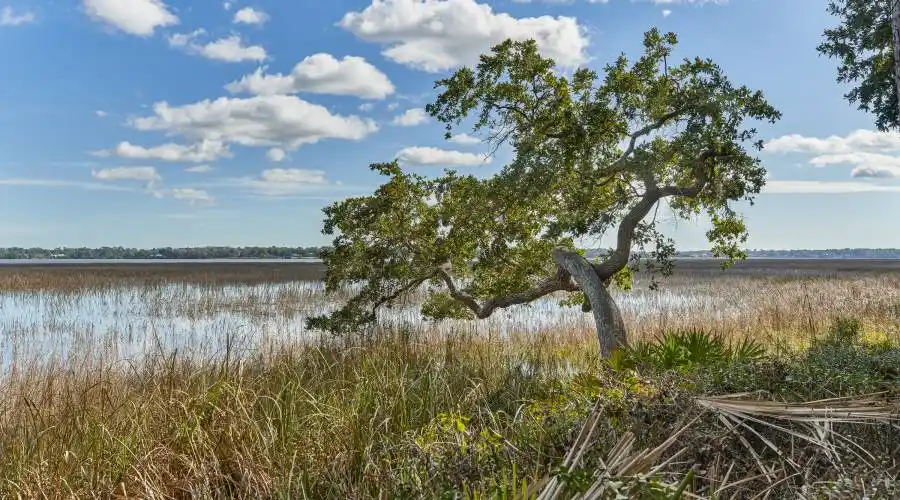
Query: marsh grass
{"type": "Point", "coordinates": [184, 388]}
{"type": "Point", "coordinates": [400, 416]}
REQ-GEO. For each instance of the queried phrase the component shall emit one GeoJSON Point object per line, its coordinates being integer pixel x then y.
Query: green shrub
{"type": "Point", "coordinates": [843, 330]}
{"type": "Point", "coordinates": [688, 350]}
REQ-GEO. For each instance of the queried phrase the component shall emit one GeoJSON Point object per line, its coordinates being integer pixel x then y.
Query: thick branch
{"type": "Point", "coordinates": [625, 237]}
{"type": "Point", "coordinates": [610, 327]}
{"type": "Point", "coordinates": [562, 281]}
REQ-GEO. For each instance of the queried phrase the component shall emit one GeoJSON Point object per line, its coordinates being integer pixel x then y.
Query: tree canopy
{"type": "Point", "coordinates": [863, 45]}
{"type": "Point", "coordinates": [591, 153]}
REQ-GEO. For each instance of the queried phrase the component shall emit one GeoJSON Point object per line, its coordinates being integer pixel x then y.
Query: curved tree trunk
{"type": "Point", "coordinates": [610, 327]}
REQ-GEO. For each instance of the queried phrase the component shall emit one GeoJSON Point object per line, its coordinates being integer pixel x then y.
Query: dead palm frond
{"type": "Point", "coordinates": [621, 463]}
{"type": "Point", "coordinates": [851, 409]}
{"type": "Point", "coordinates": [817, 418]}
{"type": "Point", "coordinates": [812, 422]}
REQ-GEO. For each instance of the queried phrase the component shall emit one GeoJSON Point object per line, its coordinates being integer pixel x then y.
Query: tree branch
{"type": "Point", "coordinates": [403, 290]}
{"type": "Point", "coordinates": [562, 281]}
{"type": "Point", "coordinates": [625, 237]}
{"type": "Point", "coordinates": [618, 165]}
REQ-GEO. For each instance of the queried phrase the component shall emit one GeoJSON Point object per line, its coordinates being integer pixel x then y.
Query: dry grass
{"type": "Point", "coordinates": [175, 382]}
{"type": "Point", "coordinates": [75, 278]}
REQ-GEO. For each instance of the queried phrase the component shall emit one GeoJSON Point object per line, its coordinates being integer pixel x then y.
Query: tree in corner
{"type": "Point", "coordinates": [589, 156]}
{"type": "Point", "coordinates": [864, 44]}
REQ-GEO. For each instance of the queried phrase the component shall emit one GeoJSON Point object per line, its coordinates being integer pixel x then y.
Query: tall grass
{"type": "Point", "coordinates": [211, 390]}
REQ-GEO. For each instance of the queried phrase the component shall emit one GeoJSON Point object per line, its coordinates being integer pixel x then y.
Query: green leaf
{"type": "Point", "coordinates": [592, 154]}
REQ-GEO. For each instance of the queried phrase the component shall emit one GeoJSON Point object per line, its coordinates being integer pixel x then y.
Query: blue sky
{"type": "Point", "coordinates": [175, 123]}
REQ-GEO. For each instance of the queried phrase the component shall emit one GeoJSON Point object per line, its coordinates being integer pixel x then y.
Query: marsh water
{"type": "Point", "coordinates": [124, 323]}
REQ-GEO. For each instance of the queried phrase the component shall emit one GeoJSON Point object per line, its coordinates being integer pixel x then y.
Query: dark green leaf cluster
{"type": "Point", "coordinates": [592, 153]}
{"type": "Point", "coordinates": [863, 45]}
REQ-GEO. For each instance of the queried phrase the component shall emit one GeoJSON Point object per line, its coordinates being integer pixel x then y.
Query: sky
{"type": "Point", "coordinates": [146, 123]}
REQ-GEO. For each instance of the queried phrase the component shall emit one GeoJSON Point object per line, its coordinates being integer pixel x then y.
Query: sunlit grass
{"type": "Point", "coordinates": [194, 389]}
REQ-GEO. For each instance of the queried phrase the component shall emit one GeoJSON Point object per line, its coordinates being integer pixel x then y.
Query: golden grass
{"type": "Point", "coordinates": [127, 383]}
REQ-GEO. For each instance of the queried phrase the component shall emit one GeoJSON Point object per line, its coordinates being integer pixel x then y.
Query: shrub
{"type": "Point", "coordinates": [688, 350]}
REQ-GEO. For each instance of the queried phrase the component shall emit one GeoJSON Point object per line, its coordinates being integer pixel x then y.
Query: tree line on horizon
{"type": "Point", "coordinates": [272, 252]}
{"type": "Point", "coordinates": [209, 252]}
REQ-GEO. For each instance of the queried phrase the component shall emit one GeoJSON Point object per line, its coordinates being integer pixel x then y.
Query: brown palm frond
{"type": "Point", "coordinates": [811, 421]}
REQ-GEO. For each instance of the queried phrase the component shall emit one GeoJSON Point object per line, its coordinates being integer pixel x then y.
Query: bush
{"type": "Point", "coordinates": [688, 350]}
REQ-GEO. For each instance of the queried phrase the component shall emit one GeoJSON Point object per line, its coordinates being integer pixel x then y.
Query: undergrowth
{"type": "Point", "coordinates": [459, 418]}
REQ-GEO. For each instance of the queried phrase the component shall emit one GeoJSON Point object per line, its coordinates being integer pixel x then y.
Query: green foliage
{"type": "Point", "coordinates": [843, 331]}
{"type": "Point", "coordinates": [747, 350]}
{"type": "Point", "coordinates": [862, 42]}
{"type": "Point", "coordinates": [689, 350]}
{"type": "Point", "coordinates": [838, 363]}
{"type": "Point", "coordinates": [574, 299]}
{"type": "Point", "coordinates": [487, 243]}
{"type": "Point", "coordinates": [624, 279]}
{"type": "Point", "coordinates": [441, 305]}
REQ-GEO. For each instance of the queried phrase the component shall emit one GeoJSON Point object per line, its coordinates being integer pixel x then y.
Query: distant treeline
{"type": "Point", "coordinates": [162, 253]}
{"type": "Point", "coordinates": [838, 253]}
{"type": "Point", "coordinates": [313, 252]}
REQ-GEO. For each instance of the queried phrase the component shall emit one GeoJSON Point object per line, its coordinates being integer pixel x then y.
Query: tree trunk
{"type": "Point", "coordinates": [610, 327]}
{"type": "Point", "coordinates": [895, 30]}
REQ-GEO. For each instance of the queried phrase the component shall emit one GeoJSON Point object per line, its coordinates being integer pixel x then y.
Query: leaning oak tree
{"type": "Point", "coordinates": [589, 156]}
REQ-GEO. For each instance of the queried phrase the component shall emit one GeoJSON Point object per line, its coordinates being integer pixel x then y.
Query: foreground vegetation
{"type": "Point", "coordinates": [406, 416]}
{"type": "Point", "coordinates": [200, 382]}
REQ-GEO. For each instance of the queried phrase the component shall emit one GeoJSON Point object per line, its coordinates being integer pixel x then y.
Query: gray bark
{"type": "Point", "coordinates": [607, 317]}
{"type": "Point", "coordinates": [895, 30]}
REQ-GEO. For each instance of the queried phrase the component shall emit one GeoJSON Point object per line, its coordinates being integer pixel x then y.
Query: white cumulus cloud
{"type": "Point", "coordinates": [199, 169]}
{"type": "Point", "coordinates": [826, 187]}
{"type": "Point", "coordinates": [135, 17]}
{"type": "Point", "coordinates": [276, 154]}
{"type": "Point", "coordinates": [201, 151]}
{"type": "Point", "coordinates": [867, 151]}
{"type": "Point", "coordinates": [873, 165]}
{"type": "Point", "coordinates": [190, 195]}
{"type": "Point", "coordinates": [410, 118]}
{"type": "Point", "coordinates": [229, 49]}
{"type": "Point", "coordinates": [146, 174]}
{"type": "Point", "coordinates": [281, 182]}
{"type": "Point", "coordinates": [437, 35]}
{"type": "Point", "coordinates": [464, 139]}
{"type": "Point", "coordinates": [261, 121]}
{"type": "Point", "coordinates": [428, 156]}
{"type": "Point", "coordinates": [858, 140]}
{"type": "Point", "coordinates": [249, 15]}
{"type": "Point", "coordinates": [320, 73]}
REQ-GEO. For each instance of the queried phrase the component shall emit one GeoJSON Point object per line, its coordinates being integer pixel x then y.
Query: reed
{"type": "Point", "coordinates": [177, 386]}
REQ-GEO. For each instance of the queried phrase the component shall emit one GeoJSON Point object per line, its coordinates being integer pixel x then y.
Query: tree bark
{"type": "Point", "coordinates": [607, 317]}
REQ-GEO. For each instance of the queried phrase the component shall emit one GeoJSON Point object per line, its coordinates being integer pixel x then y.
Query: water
{"type": "Point", "coordinates": [127, 323]}
{"type": "Point", "coordinates": [14, 262]}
